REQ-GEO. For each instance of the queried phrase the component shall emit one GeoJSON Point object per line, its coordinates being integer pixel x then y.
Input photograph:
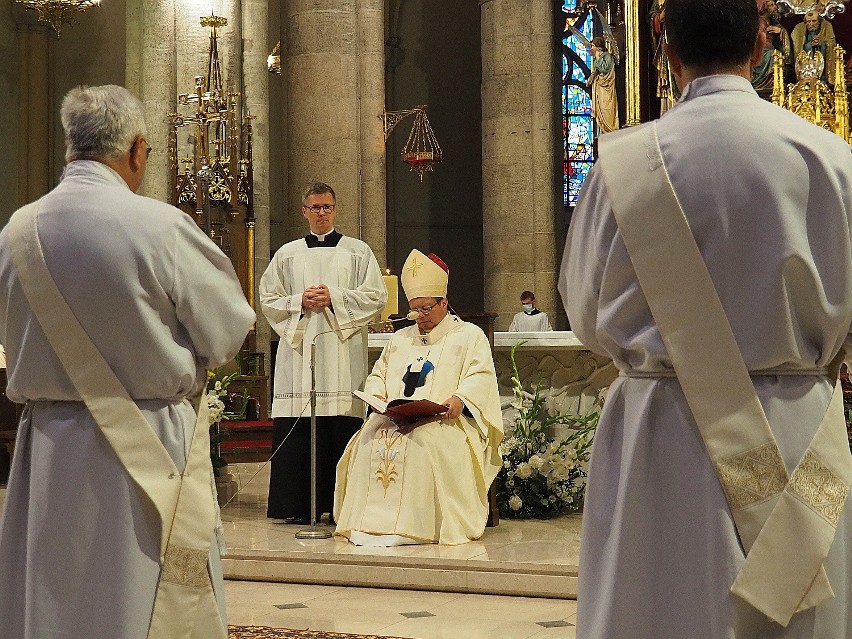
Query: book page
{"type": "Point", "coordinates": [372, 401]}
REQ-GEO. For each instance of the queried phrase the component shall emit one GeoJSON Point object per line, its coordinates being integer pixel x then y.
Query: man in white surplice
{"type": "Point", "coordinates": [79, 545]}
{"type": "Point", "coordinates": [660, 551]}
{"type": "Point", "coordinates": [428, 481]}
{"type": "Point", "coordinates": [323, 288]}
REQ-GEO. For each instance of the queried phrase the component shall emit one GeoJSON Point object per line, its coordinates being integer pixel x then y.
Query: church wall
{"type": "Point", "coordinates": [436, 61]}
{"type": "Point", "coordinates": [8, 113]}
{"type": "Point", "coordinates": [38, 70]}
{"type": "Point", "coordinates": [91, 51]}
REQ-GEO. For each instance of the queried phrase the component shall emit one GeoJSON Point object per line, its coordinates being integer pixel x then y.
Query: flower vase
{"type": "Point", "coordinates": [226, 486]}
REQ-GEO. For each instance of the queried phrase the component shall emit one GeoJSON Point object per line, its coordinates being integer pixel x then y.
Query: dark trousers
{"type": "Point", "coordinates": [290, 480]}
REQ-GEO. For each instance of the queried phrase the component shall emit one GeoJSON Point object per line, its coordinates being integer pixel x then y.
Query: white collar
{"type": "Point", "coordinates": [322, 237]}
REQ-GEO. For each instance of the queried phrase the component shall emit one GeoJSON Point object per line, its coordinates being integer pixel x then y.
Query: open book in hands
{"type": "Point", "coordinates": [402, 409]}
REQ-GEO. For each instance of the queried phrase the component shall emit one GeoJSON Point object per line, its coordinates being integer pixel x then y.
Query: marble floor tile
{"type": "Point", "coordinates": [476, 606]}
{"type": "Point", "coordinates": [441, 628]}
{"type": "Point", "coordinates": [382, 611]}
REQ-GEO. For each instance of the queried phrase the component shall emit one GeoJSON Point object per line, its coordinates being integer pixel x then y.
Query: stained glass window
{"type": "Point", "coordinates": [577, 123]}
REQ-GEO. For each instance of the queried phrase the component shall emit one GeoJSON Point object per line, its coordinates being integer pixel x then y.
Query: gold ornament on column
{"type": "Point", "coordinates": [213, 176]}
{"type": "Point", "coordinates": [273, 60]}
{"type": "Point", "coordinates": [58, 12]}
{"type": "Point", "coordinates": [421, 150]}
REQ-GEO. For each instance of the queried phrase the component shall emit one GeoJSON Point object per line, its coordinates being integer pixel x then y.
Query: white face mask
{"type": "Point", "coordinates": [527, 307]}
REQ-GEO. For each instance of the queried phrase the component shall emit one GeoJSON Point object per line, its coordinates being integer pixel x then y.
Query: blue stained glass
{"type": "Point", "coordinates": [577, 124]}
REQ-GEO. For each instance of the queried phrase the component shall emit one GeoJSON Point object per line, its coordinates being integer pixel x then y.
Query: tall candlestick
{"type": "Point", "coordinates": [392, 286]}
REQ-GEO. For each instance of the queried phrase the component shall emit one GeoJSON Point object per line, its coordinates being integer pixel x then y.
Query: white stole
{"type": "Point", "coordinates": [184, 605]}
{"type": "Point", "coordinates": [786, 523]}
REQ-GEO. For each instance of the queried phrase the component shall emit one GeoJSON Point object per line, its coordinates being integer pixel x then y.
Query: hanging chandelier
{"type": "Point", "coordinates": [58, 12]}
{"type": "Point", "coordinates": [422, 150]}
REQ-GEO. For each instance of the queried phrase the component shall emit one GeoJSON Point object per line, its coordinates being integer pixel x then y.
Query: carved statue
{"type": "Point", "coordinates": [601, 79]}
{"type": "Point", "coordinates": [602, 83]}
{"type": "Point", "coordinates": [777, 39]}
{"type": "Point", "coordinates": [815, 33]}
{"type": "Point", "coordinates": [667, 90]}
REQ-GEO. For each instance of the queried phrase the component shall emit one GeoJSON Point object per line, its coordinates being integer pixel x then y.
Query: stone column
{"type": "Point", "coordinates": [519, 175]}
{"type": "Point", "coordinates": [371, 93]}
{"type": "Point", "coordinates": [35, 104]}
{"type": "Point", "coordinates": [151, 76]}
{"type": "Point", "coordinates": [256, 101]}
{"type": "Point", "coordinates": [333, 62]}
{"type": "Point", "coordinates": [632, 24]}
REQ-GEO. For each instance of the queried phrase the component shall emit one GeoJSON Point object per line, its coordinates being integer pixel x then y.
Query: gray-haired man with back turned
{"type": "Point", "coordinates": [112, 306]}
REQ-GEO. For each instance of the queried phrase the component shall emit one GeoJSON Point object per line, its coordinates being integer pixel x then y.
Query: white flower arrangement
{"type": "Point", "coordinates": [542, 477]}
{"type": "Point", "coordinates": [216, 396]}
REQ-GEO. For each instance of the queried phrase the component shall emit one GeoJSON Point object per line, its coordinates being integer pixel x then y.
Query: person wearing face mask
{"type": "Point", "coordinates": [425, 481]}
{"type": "Point", "coordinates": [530, 319]}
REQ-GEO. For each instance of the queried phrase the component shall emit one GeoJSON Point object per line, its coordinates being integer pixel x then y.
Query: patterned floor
{"type": "Point", "coordinates": [265, 632]}
{"type": "Point", "coordinates": [378, 612]}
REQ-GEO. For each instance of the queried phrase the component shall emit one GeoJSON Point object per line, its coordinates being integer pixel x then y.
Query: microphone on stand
{"type": "Point", "coordinates": [314, 532]}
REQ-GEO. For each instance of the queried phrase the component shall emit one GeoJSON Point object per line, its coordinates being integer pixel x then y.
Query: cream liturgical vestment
{"type": "Point", "coordinates": [358, 294]}
{"type": "Point", "coordinates": [79, 542]}
{"type": "Point", "coordinates": [429, 484]}
{"type": "Point", "coordinates": [660, 552]}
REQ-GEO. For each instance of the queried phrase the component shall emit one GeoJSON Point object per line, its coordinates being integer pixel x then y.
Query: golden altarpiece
{"type": "Point", "coordinates": [212, 181]}
{"type": "Point", "coordinates": [810, 97]}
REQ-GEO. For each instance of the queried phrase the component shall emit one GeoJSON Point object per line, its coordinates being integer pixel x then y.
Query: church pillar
{"type": "Point", "coordinates": [333, 62]}
{"type": "Point", "coordinates": [151, 75]}
{"type": "Point", "coordinates": [632, 24]}
{"type": "Point", "coordinates": [255, 39]}
{"type": "Point", "coordinates": [35, 129]}
{"type": "Point", "coordinates": [520, 190]}
{"type": "Point", "coordinates": [371, 92]}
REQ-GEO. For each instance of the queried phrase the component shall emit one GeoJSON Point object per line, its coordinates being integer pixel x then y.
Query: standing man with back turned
{"type": "Point", "coordinates": [721, 286]}
{"type": "Point", "coordinates": [112, 306]}
{"type": "Point", "coordinates": [324, 287]}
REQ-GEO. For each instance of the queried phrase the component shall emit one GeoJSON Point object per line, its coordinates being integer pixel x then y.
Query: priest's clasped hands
{"type": "Point", "coordinates": [316, 297]}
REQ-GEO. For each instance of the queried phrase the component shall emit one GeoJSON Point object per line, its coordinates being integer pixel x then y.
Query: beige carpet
{"type": "Point", "coordinates": [264, 632]}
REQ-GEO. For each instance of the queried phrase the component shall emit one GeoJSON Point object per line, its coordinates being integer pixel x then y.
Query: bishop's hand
{"type": "Point", "coordinates": [454, 407]}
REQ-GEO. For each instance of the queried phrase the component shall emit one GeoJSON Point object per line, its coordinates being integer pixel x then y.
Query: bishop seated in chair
{"type": "Point", "coordinates": [425, 481]}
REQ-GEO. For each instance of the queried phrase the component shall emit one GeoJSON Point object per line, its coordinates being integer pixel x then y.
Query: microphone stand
{"type": "Point", "coordinates": [316, 532]}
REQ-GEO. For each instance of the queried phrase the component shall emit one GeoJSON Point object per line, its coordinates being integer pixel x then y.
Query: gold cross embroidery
{"type": "Point", "coordinates": [414, 266]}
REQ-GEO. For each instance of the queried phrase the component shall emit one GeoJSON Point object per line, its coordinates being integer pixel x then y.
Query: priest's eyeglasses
{"type": "Point", "coordinates": [425, 310]}
{"type": "Point", "coordinates": [316, 208]}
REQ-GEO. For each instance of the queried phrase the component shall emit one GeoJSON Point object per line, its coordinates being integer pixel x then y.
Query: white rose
{"type": "Point", "coordinates": [536, 462]}
{"type": "Point", "coordinates": [524, 470]}
{"type": "Point", "coordinates": [515, 502]}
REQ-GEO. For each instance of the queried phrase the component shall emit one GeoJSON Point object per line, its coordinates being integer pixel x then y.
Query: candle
{"type": "Point", "coordinates": [392, 286]}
